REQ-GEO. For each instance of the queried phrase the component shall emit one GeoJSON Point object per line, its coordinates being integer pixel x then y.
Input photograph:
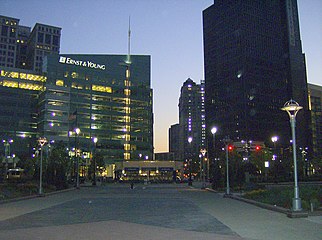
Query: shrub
{"type": "Point", "coordinates": [282, 196]}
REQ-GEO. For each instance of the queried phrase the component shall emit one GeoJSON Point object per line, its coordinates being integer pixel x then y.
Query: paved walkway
{"type": "Point", "coordinates": [174, 212]}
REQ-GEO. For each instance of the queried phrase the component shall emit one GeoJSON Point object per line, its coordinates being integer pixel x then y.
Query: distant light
{"type": "Point", "coordinates": [274, 139]}
{"type": "Point", "coordinates": [213, 130]}
{"type": "Point", "coordinates": [77, 131]}
{"type": "Point", "coordinates": [239, 74]}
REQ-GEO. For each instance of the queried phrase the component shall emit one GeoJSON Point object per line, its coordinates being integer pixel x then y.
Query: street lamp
{"type": "Point", "coordinates": [274, 140]}
{"type": "Point", "coordinates": [95, 139]}
{"type": "Point", "coordinates": [190, 161]}
{"type": "Point", "coordinates": [227, 141]}
{"type": "Point", "coordinates": [77, 131]}
{"type": "Point", "coordinates": [213, 132]}
{"type": "Point", "coordinates": [292, 108]}
{"type": "Point", "coordinates": [42, 142]}
{"type": "Point", "coordinates": [275, 157]}
{"type": "Point", "coordinates": [203, 152]}
{"type": "Point", "coordinates": [6, 154]}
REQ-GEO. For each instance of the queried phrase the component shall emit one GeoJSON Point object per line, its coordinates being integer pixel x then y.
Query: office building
{"type": "Point", "coordinates": [21, 47]}
{"type": "Point", "coordinates": [102, 97]}
{"type": "Point", "coordinates": [315, 97]}
{"type": "Point", "coordinates": [253, 65]}
{"type": "Point", "coordinates": [192, 118]}
{"type": "Point", "coordinates": [43, 41]}
{"type": "Point", "coordinates": [174, 138]}
{"type": "Point", "coordinates": [8, 41]}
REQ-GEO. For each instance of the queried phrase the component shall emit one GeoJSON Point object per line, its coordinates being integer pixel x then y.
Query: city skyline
{"type": "Point", "coordinates": [169, 31]}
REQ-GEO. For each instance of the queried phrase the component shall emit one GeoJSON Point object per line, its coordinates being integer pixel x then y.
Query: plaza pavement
{"type": "Point", "coordinates": [173, 211]}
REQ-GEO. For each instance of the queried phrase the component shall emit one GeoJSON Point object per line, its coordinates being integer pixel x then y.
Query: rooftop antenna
{"type": "Point", "coordinates": [128, 60]}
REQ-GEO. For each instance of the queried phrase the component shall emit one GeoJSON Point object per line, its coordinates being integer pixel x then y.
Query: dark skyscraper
{"type": "Point", "coordinates": [253, 65]}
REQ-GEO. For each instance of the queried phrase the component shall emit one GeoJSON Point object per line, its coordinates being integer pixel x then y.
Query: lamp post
{"type": "Point", "coordinates": [77, 132]}
{"type": "Point", "coordinates": [42, 142]}
{"type": "Point", "coordinates": [6, 144]}
{"type": "Point", "coordinates": [203, 152]}
{"type": "Point", "coordinates": [292, 108]}
{"type": "Point", "coordinates": [95, 139]}
{"type": "Point", "coordinates": [227, 141]}
{"type": "Point", "coordinates": [190, 161]}
{"type": "Point", "coordinates": [213, 132]}
{"type": "Point", "coordinates": [274, 140]}
{"type": "Point", "coordinates": [274, 157]}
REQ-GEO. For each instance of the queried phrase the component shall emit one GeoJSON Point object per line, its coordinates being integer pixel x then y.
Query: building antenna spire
{"type": "Point", "coordinates": [129, 43]}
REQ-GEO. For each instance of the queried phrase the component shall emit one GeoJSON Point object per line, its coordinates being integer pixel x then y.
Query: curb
{"type": "Point", "coordinates": [35, 196]}
{"type": "Point", "coordinates": [288, 212]}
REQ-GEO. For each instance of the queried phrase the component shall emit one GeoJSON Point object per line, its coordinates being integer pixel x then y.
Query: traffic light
{"type": "Point", "coordinates": [257, 148]}
{"type": "Point", "coordinates": [230, 148]}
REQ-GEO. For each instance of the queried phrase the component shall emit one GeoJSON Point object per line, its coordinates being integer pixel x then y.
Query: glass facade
{"type": "Point", "coordinates": [104, 97]}
{"type": "Point", "coordinates": [19, 90]}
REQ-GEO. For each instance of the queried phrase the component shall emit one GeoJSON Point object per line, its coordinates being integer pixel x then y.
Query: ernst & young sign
{"type": "Point", "coordinates": [89, 64]}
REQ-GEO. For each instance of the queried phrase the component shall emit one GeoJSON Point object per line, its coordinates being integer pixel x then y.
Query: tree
{"type": "Point", "coordinates": [59, 165]}
{"type": "Point", "coordinates": [99, 162]}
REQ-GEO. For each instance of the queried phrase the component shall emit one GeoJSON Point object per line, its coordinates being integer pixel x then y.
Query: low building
{"type": "Point", "coordinates": [150, 171]}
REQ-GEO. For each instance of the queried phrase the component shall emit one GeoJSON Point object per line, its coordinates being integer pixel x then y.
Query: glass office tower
{"type": "Point", "coordinates": [103, 96]}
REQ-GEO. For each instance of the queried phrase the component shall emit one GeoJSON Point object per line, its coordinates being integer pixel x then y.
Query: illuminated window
{"type": "Point", "coordinates": [127, 110]}
{"type": "Point", "coordinates": [127, 156]}
{"type": "Point", "coordinates": [127, 92]}
{"type": "Point", "coordinates": [74, 74]}
{"type": "Point", "coordinates": [101, 88]}
{"type": "Point", "coordinates": [12, 84]}
{"type": "Point", "coordinates": [76, 85]}
{"type": "Point", "coordinates": [30, 86]}
{"type": "Point", "coordinates": [127, 83]}
{"type": "Point", "coordinates": [59, 82]}
{"type": "Point", "coordinates": [13, 74]}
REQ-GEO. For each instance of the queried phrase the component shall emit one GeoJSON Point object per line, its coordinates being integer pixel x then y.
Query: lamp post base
{"type": "Point", "coordinates": [227, 195]}
{"type": "Point", "coordinates": [297, 205]}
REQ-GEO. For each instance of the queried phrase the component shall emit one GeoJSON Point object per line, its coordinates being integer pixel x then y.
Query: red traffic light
{"type": "Point", "coordinates": [258, 148]}
{"type": "Point", "coordinates": [230, 147]}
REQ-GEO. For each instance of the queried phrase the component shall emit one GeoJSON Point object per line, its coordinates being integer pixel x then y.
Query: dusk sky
{"type": "Point", "coordinates": [168, 30]}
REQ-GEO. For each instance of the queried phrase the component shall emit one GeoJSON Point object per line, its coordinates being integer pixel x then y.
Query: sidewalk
{"type": "Point", "coordinates": [252, 222]}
